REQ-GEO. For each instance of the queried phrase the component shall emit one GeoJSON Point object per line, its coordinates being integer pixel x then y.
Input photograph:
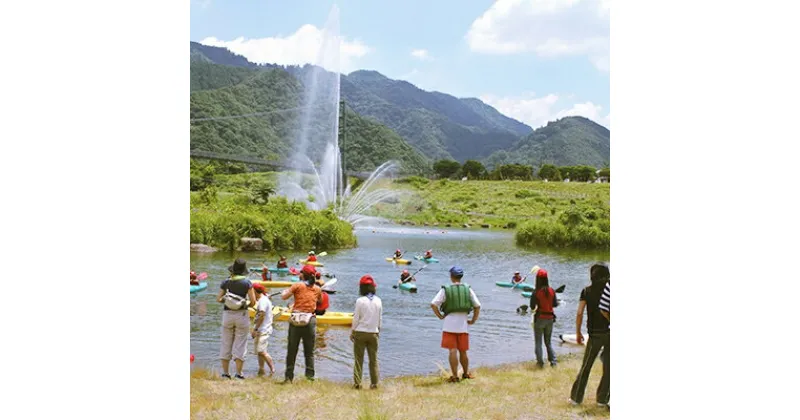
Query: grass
{"type": "Point", "coordinates": [505, 392]}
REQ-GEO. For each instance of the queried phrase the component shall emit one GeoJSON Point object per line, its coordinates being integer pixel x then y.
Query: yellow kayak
{"type": "Point", "coordinates": [312, 263]}
{"type": "Point", "coordinates": [398, 261]}
{"type": "Point", "coordinates": [274, 284]}
{"type": "Point", "coordinates": [280, 313]}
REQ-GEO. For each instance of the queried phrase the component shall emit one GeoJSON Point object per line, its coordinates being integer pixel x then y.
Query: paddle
{"type": "Point", "coordinates": [412, 276]}
{"type": "Point", "coordinates": [202, 276]}
{"type": "Point", "coordinates": [561, 289]}
{"type": "Point", "coordinates": [535, 268]}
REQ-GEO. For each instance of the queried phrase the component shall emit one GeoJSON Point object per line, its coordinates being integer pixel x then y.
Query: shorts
{"type": "Point", "coordinates": [261, 342]}
{"type": "Point", "coordinates": [458, 341]}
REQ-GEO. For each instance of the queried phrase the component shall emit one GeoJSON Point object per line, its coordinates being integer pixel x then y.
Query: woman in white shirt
{"type": "Point", "coordinates": [365, 331]}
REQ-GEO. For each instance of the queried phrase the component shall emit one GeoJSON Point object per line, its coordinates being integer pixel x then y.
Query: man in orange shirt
{"type": "Point", "coordinates": [302, 323]}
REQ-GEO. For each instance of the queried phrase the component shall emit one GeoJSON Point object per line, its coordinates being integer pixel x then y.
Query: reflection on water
{"type": "Point", "coordinates": [411, 336]}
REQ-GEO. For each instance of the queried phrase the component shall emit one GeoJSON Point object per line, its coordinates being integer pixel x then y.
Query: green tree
{"type": "Point", "coordinates": [260, 192]}
{"type": "Point", "coordinates": [473, 169]}
{"type": "Point", "coordinates": [513, 171]}
{"type": "Point", "coordinates": [446, 168]}
{"type": "Point", "coordinates": [549, 172]}
{"type": "Point", "coordinates": [605, 172]}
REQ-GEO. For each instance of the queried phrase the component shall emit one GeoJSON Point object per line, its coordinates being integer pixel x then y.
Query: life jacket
{"type": "Point", "coordinates": [312, 258]}
{"type": "Point", "coordinates": [457, 298]}
{"type": "Point", "coordinates": [405, 277]}
{"type": "Point", "coordinates": [282, 264]}
{"type": "Point", "coordinates": [266, 275]}
{"type": "Point", "coordinates": [398, 254]}
{"type": "Point", "coordinates": [428, 255]}
{"type": "Point", "coordinates": [516, 279]}
{"type": "Point", "coordinates": [325, 302]}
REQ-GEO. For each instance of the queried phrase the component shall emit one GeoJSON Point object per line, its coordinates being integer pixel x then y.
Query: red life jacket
{"type": "Point", "coordinates": [516, 279]}
{"type": "Point", "coordinates": [325, 302]}
{"type": "Point", "coordinates": [312, 258]}
{"type": "Point", "coordinates": [282, 264]}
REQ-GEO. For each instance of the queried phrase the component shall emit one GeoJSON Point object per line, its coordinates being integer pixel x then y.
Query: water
{"type": "Point", "coordinates": [318, 128]}
{"type": "Point", "coordinates": [411, 336]}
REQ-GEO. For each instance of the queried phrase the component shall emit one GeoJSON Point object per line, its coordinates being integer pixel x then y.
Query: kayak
{"type": "Point", "coordinates": [274, 284]}
{"type": "Point", "coordinates": [520, 286]}
{"type": "Point", "coordinates": [271, 269]}
{"type": "Point", "coordinates": [280, 313]}
{"type": "Point", "coordinates": [311, 263]}
{"type": "Point", "coordinates": [426, 260]}
{"type": "Point", "coordinates": [526, 294]}
{"type": "Point", "coordinates": [410, 286]}
{"type": "Point", "coordinates": [202, 286]}
{"type": "Point", "coordinates": [571, 338]}
{"type": "Point", "coordinates": [399, 261]}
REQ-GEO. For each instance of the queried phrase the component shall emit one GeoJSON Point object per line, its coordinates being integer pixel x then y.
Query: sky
{"type": "Point", "coordinates": [532, 60]}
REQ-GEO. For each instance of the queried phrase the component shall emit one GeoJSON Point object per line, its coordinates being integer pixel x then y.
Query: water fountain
{"type": "Point", "coordinates": [319, 125]}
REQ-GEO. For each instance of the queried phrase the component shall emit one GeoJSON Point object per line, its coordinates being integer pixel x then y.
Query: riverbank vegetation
{"type": "Point", "coordinates": [504, 392]}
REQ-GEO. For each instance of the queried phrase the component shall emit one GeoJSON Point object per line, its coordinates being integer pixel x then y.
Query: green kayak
{"type": "Point", "coordinates": [410, 286]}
{"type": "Point", "coordinates": [196, 288]}
{"type": "Point", "coordinates": [426, 260]}
{"type": "Point", "coordinates": [271, 269]}
{"type": "Point", "coordinates": [520, 286]}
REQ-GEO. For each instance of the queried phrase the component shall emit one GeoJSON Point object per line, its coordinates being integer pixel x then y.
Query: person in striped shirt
{"type": "Point", "coordinates": [605, 302]}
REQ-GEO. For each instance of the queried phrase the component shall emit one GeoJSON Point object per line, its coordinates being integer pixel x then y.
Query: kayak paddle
{"type": "Point", "coordinates": [561, 289]}
{"type": "Point", "coordinates": [202, 276]}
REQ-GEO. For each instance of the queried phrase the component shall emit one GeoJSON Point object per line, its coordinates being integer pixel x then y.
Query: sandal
{"type": "Point", "coordinates": [453, 379]}
{"type": "Point", "coordinates": [468, 376]}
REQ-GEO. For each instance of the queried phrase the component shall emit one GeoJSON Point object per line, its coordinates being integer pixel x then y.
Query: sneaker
{"type": "Point", "coordinates": [467, 376]}
{"type": "Point", "coordinates": [602, 405]}
{"type": "Point", "coordinates": [239, 376]}
{"type": "Point", "coordinates": [453, 379]}
{"type": "Point", "coordinates": [226, 376]}
{"type": "Point", "coordinates": [373, 386]}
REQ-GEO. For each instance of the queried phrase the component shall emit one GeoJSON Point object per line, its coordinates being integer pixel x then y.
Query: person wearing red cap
{"type": "Point", "coordinates": [307, 295]}
{"type": "Point", "coordinates": [364, 333]}
{"type": "Point", "coordinates": [543, 300]}
{"type": "Point", "coordinates": [405, 277]}
{"type": "Point", "coordinates": [398, 254]}
{"type": "Point", "coordinates": [262, 329]}
{"type": "Point", "coordinates": [599, 337]}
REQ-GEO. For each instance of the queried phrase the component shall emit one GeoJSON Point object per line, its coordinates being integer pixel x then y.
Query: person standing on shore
{"type": "Point", "coordinates": [456, 300]}
{"type": "Point", "coordinates": [302, 322]}
{"type": "Point", "coordinates": [234, 293]}
{"type": "Point", "coordinates": [262, 329]}
{"type": "Point", "coordinates": [366, 330]}
{"type": "Point", "coordinates": [543, 300]}
{"type": "Point", "coordinates": [599, 337]}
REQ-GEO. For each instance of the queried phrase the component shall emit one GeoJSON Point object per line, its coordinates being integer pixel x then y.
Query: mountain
{"type": "Point", "coordinates": [220, 90]}
{"type": "Point", "coordinates": [565, 142]}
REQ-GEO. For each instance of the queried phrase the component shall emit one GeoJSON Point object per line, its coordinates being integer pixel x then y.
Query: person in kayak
{"type": "Point", "coordinates": [428, 254]}
{"type": "Point", "coordinates": [517, 278]}
{"type": "Point", "coordinates": [312, 257]}
{"type": "Point", "coordinates": [543, 300]}
{"type": "Point", "coordinates": [282, 263]}
{"type": "Point", "coordinates": [193, 279]}
{"type": "Point", "coordinates": [398, 254]}
{"type": "Point", "coordinates": [236, 293]}
{"type": "Point", "coordinates": [307, 296]}
{"type": "Point", "coordinates": [266, 275]}
{"type": "Point", "coordinates": [262, 329]}
{"type": "Point", "coordinates": [406, 277]}
{"type": "Point", "coordinates": [365, 331]}
{"type": "Point", "coordinates": [321, 307]}
{"type": "Point", "coordinates": [456, 300]}
{"type": "Point", "coordinates": [599, 337]}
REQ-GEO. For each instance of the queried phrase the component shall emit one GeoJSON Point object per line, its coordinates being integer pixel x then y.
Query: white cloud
{"type": "Point", "coordinates": [549, 28]}
{"type": "Point", "coordinates": [301, 47]}
{"type": "Point", "coordinates": [538, 111]}
{"type": "Point", "coordinates": [421, 54]}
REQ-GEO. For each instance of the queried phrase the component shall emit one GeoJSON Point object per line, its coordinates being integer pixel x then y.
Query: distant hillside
{"type": "Point", "coordinates": [566, 142]}
{"type": "Point", "coordinates": [219, 90]}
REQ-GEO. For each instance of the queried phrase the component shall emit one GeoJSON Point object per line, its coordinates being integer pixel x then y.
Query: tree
{"type": "Point", "coordinates": [550, 172]}
{"type": "Point", "coordinates": [473, 169]}
{"type": "Point", "coordinates": [605, 172]}
{"type": "Point", "coordinates": [446, 168]}
{"type": "Point", "coordinates": [260, 192]}
{"type": "Point", "coordinates": [513, 171]}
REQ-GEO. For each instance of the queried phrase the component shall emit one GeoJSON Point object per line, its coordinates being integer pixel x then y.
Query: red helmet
{"type": "Point", "coordinates": [397, 250]}
{"type": "Point", "coordinates": [405, 271]}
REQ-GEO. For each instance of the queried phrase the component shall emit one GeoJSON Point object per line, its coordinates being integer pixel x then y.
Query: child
{"type": "Point", "coordinates": [262, 329]}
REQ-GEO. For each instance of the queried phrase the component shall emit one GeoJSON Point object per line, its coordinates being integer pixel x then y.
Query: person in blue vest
{"type": "Point", "coordinates": [452, 304]}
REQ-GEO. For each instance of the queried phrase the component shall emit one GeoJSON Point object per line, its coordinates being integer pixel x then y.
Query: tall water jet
{"type": "Point", "coordinates": [322, 186]}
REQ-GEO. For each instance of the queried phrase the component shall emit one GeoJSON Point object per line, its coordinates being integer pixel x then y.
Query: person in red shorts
{"type": "Point", "coordinates": [452, 304]}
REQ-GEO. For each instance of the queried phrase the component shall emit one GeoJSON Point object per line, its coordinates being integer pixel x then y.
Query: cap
{"type": "Point", "coordinates": [258, 287]}
{"type": "Point", "coordinates": [542, 273]}
{"type": "Point", "coordinates": [239, 267]}
{"type": "Point", "coordinates": [367, 279]}
{"type": "Point", "coordinates": [309, 269]}
{"type": "Point", "coordinates": [456, 271]}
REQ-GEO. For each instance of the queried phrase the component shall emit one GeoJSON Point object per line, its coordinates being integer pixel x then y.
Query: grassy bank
{"type": "Point", "coordinates": [222, 219]}
{"type": "Point", "coordinates": [555, 214]}
{"type": "Point", "coordinates": [506, 392]}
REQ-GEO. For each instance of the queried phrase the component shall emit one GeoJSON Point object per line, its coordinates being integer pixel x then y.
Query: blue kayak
{"type": "Point", "coordinates": [410, 286]}
{"type": "Point", "coordinates": [520, 286]}
{"type": "Point", "coordinates": [426, 260]}
{"type": "Point", "coordinates": [271, 269]}
{"type": "Point", "coordinates": [526, 294]}
{"type": "Point", "coordinates": [199, 287]}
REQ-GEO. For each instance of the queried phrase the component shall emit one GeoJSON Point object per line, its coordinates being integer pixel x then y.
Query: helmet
{"type": "Point", "coordinates": [516, 272]}
{"type": "Point", "coordinates": [405, 271]}
{"type": "Point", "coordinates": [310, 252]}
{"type": "Point", "coordinates": [397, 250]}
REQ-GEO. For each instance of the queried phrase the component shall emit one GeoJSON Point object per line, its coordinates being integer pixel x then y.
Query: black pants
{"type": "Point", "coordinates": [596, 343]}
{"type": "Point", "coordinates": [307, 334]}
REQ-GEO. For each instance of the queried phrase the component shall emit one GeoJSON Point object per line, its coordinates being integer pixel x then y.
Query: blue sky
{"type": "Point", "coordinates": [533, 60]}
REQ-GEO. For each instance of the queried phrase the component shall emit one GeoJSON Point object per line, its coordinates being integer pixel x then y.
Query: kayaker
{"type": "Point", "coordinates": [193, 279]}
{"type": "Point", "coordinates": [428, 254]}
{"type": "Point", "coordinates": [456, 300]}
{"type": "Point", "coordinates": [366, 330]}
{"type": "Point", "coordinates": [312, 257]}
{"type": "Point", "coordinates": [234, 293]}
{"type": "Point", "coordinates": [599, 337]}
{"type": "Point", "coordinates": [323, 306]}
{"type": "Point", "coordinates": [543, 300]}
{"type": "Point", "coordinates": [282, 263]}
{"type": "Point", "coordinates": [262, 329]}
{"type": "Point", "coordinates": [405, 277]}
{"type": "Point", "coordinates": [302, 321]}
{"type": "Point", "coordinates": [266, 275]}
{"type": "Point", "coordinates": [398, 254]}
{"type": "Point", "coordinates": [516, 278]}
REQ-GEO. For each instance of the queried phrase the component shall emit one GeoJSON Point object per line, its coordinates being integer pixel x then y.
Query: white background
{"type": "Point", "coordinates": [94, 160]}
